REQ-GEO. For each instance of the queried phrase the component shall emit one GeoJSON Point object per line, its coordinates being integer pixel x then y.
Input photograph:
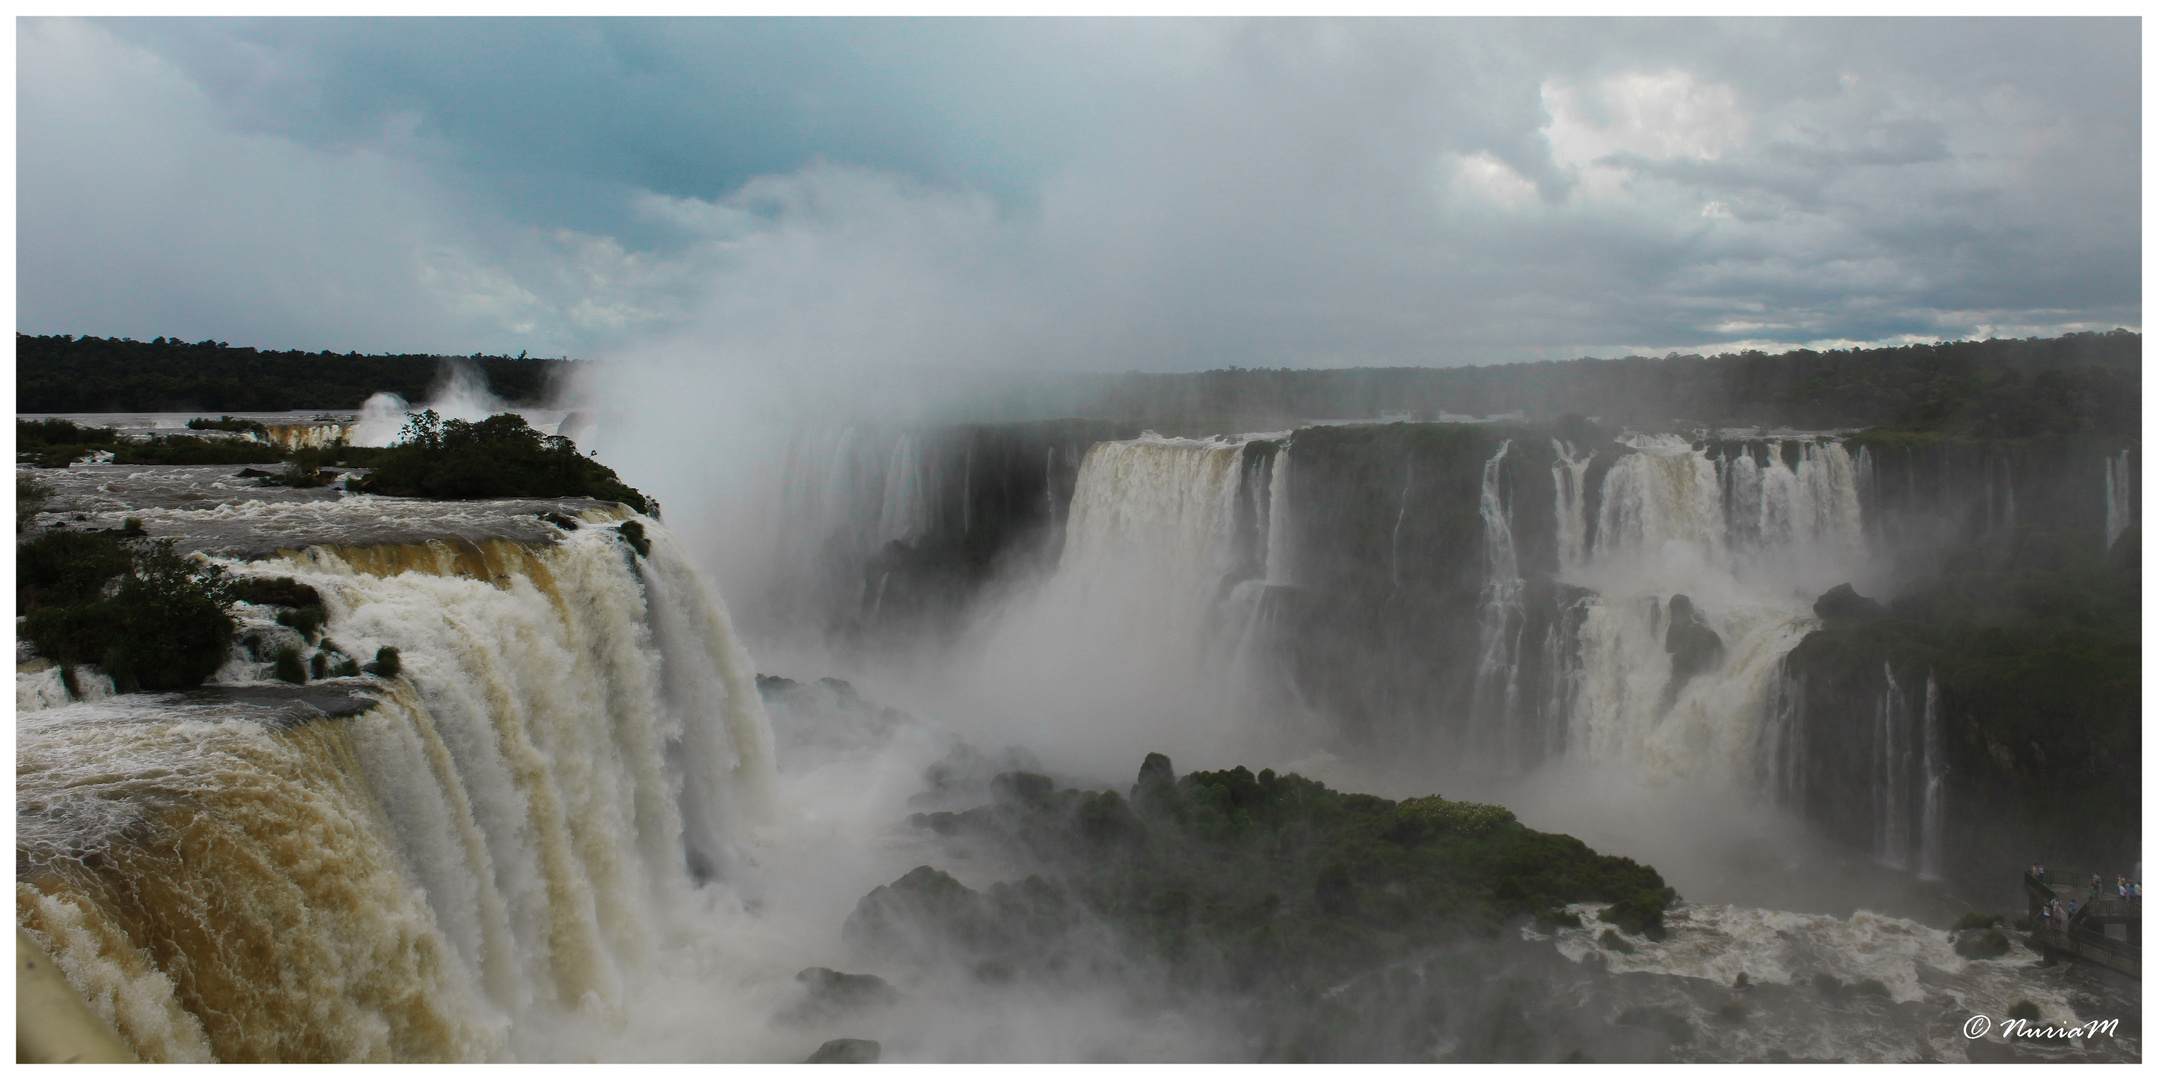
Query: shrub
{"type": "Point", "coordinates": [307, 620]}
{"type": "Point", "coordinates": [1641, 913]}
{"type": "Point", "coordinates": [31, 494]}
{"type": "Point", "coordinates": [227, 423]}
{"type": "Point", "coordinates": [62, 568]}
{"type": "Point", "coordinates": [194, 450]}
{"type": "Point", "coordinates": [288, 666]}
{"type": "Point", "coordinates": [276, 592]}
{"type": "Point", "coordinates": [165, 627]}
{"type": "Point", "coordinates": [1982, 946]}
{"type": "Point", "coordinates": [633, 534]}
{"type": "Point", "coordinates": [58, 432]}
{"type": "Point", "coordinates": [387, 663]}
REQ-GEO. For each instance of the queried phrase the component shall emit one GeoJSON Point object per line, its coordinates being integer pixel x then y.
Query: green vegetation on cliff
{"type": "Point", "coordinates": [2035, 645]}
{"type": "Point", "coordinates": [1276, 885]}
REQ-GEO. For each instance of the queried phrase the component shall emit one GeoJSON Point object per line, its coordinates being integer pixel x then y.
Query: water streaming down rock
{"type": "Point", "coordinates": [1935, 772]}
{"type": "Point", "coordinates": [1568, 475]}
{"type": "Point", "coordinates": [1154, 521]}
{"type": "Point", "coordinates": [1892, 726]}
{"type": "Point", "coordinates": [493, 847]}
{"type": "Point", "coordinates": [1280, 525]}
{"type": "Point", "coordinates": [1701, 577]}
{"type": "Point", "coordinates": [2120, 497]}
{"type": "Point", "coordinates": [1160, 580]}
{"type": "Point", "coordinates": [1499, 731]}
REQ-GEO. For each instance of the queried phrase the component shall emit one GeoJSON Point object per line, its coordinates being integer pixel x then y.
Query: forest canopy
{"type": "Point", "coordinates": [66, 374]}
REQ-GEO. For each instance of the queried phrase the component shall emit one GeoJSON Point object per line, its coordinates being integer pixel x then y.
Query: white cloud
{"type": "Point", "coordinates": [1494, 180]}
{"type": "Point", "coordinates": [1660, 116]}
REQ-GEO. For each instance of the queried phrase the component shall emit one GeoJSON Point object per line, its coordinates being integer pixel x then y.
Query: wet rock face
{"type": "Point", "coordinates": [1843, 604]}
{"type": "Point", "coordinates": [1694, 648]}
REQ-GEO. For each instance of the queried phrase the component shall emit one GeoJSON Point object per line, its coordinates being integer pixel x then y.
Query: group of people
{"type": "Point", "coordinates": [2061, 911]}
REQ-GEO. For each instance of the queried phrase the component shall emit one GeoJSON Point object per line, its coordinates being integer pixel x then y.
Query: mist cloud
{"type": "Point", "coordinates": [1081, 195]}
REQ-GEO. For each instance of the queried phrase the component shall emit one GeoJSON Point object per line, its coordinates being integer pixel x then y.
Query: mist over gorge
{"type": "Point", "coordinates": [1079, 540]}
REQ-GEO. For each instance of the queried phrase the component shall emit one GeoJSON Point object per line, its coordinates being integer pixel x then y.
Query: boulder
{"type": "Point", "coordinates": [1843, 604]}
{"type": "Point", "coordinates": [277, 592]}
{"type": "Point", "coordinates": [831, 995]}
{"type": "Point", "coordinates": [1981, 944]}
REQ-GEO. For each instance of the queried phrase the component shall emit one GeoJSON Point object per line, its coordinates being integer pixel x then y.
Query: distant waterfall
{"type": "Point", "coordinates": [1280, 560]}
{"type": "Point", "coordinates": [494, 851]}
{"type": "Point", "coordinates": [1935, 773]}
{"type": "Point", "coordinates": [903, 504]}
{"type": "Point", "coordinates": [1700, 570]}
{"type": "Point", "coordinates": [1151, 628]}
{"type": "Point", "coordinates": [1892, 744]}
{"type": "Point", "coordinates": [1408, 482]}
{"type": "Point", "coordinates": [2120, 497]}
{"type": "Point", "coordinates": [1569, 475]}
{"type": "Point", "coordinates": [1161, 510]}
{"type": "Point", "coordinates": [1910, 776]}
{"type": "Point", "coordinates": [1495, 711]}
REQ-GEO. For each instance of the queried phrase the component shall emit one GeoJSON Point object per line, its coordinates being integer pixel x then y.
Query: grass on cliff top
{"type": "Point", "coordinates": [499, 457]}
{"type": "Point", "coordinates": [1267, 882]}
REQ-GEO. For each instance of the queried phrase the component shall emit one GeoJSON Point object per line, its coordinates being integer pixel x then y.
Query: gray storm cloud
{"type": "Point", "coordinates": [1101, 196]}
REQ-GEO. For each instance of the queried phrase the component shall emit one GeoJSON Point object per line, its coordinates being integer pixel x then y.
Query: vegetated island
{"type": "Point", "coordinates": [1310, 909]}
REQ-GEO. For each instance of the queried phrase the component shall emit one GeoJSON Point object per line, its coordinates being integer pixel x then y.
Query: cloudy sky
{"type": "Point", "coordinates": [1104, 195]}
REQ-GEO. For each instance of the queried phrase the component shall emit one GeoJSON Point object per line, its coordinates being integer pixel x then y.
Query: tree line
{"type": "Point", "coordinates": [62, 373]}
{"type": "Point", "coordinates": [2082, 383]}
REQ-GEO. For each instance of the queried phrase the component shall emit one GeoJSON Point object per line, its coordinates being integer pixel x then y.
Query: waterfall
{"type": "Point", "coordinates": [903, 510]}
{"type": "Point", "coordinates": [498, 846]}
{"type": "Point", "coordinates": [1394, 549]}
{"type": "Point", "coordinates": [1691, 690]}
{"type": "Point", "coordinates": [2120, 497]}
{"type": "Point", "coordinates": [1500, 623]}
{"type": "Point", "coordinates": [1568, 475]}
{"type": "Point", "coordinates": [1280, 562]}
{"type": "Point", "coordinates": [1892, 744]}
{"type": "Point", "coordinates": [1936, 775]}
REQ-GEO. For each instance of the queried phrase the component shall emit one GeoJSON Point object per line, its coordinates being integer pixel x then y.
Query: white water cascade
{"type": "Point", "coordinates": [1145, 589]}
{"type": "Point", "coordinates": [2120, 497]}
{"type": "Point", "coordinates": [486, 864]}
{"type": "Point", "coordinates": [1280, 526]}
{"type": "Point", "coordinates": [1892, 741]}
{"type": "Point", "coordinates": [1500, 622]}
{"type": "Point", "coordinates": [1748, 545]}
